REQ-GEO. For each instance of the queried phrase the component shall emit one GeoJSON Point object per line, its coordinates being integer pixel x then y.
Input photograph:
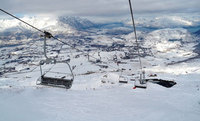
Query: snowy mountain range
{"type": "Point", "coordinates": [83, 23]}
{"type": "Point", "coordinates": [12, 29]}
{"type": "Point", "coordinates": [167, 21]}
{"type": "Point", "coordinates": [160, 38]}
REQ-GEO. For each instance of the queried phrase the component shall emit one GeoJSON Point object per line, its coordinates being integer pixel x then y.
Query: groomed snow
{"type": "Point", "coordinates": [115, 104]}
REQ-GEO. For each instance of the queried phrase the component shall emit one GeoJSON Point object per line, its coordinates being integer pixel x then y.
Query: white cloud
{"type": "Point", "coordinates": [104, 8]}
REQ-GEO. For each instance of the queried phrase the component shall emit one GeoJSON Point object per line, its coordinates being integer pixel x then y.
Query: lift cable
{"type": "Point", "coordinates": [49, 35]}
{"type": "Point", "coordinates": [21, 20]}
{"type": "Point", "coordinates": [82, 51]}
{"type": "Point", "coordinates": [135, 35]}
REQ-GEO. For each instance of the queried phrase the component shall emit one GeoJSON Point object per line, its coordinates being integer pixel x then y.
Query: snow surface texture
{"type": "Point", "coordinates": [96, 94]}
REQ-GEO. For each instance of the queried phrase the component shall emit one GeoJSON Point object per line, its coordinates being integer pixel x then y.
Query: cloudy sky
{"type": "Point", "coordinates": [98, 8]}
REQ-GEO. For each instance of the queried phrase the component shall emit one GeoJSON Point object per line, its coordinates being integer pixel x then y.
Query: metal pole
{"type": "Point", "coordinates": [136, 40]}
{"type": "Point", "coordinates": [45, 43]}
{"type": "Point", "coordinates": [135, 34]}
{"type": "Point", "coordinates": [40, 69]}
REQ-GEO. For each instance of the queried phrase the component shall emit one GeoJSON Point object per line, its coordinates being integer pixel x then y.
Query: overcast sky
{"type": "Point", "coordinates": [98, 8]}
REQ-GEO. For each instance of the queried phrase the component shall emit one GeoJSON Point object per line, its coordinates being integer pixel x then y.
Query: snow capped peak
{"type": "Point", "coordinates": [60, 24]}
{"type": "Point", "coordinates": [181, 20]}
{"type": "Point", "coordinates": [76, 22]}
{"type": "Point", "coordinates": [167, 21]}
{"type": "Point", "coordinates": [39, 22]}
{"type": "Point", "coordinates": [173, 21]}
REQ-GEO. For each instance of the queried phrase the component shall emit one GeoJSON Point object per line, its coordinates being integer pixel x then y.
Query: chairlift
{"type": "Point", "coordinates": [141, 82]}
{"type": "Point", "coordinates": [58, 79]}
{"type": "Point", "coordinates": [123, 79]}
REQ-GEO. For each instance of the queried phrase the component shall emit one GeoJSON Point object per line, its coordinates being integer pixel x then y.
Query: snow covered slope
{"type": "Point", "coordinates": [165, 39]}
{"type": "Point", "coordinates": [174, 44]}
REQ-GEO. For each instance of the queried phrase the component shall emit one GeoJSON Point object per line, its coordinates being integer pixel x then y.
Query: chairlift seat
{"type": "Point", "coordinates": [55, 79]}
{"type": "Point", "coordinates": [138, 84]}
{"type": "Point", "coordinates": [58, 82]}
{"type": "Point", "coordinates": [123, 79]}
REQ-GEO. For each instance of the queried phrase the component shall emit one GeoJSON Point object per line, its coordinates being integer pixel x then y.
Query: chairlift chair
{"type": "Point", "coordinates": [56, 81]}
{"type": "Point", "coordinates": [141, 82]}
{"type": "Point", "coordinates": [123, 79]}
